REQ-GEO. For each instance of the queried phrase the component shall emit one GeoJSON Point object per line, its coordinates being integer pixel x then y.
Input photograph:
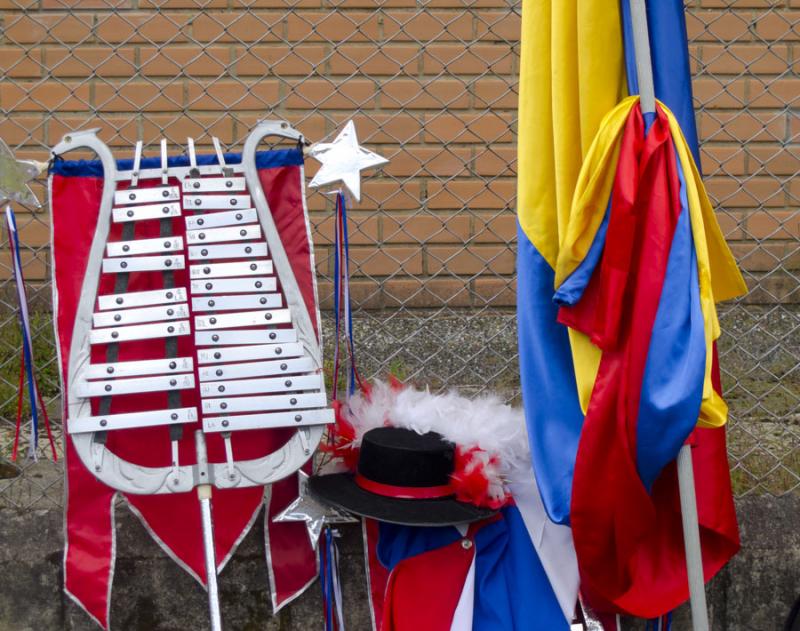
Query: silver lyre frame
{"type": "Point", "coordinates": [129, 477]}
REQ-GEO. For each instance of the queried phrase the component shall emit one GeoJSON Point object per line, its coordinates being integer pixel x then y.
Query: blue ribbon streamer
{"type": "Point", "coordinates": [27, 346]}
{"type": "Point", "coordinates": [342, 305]}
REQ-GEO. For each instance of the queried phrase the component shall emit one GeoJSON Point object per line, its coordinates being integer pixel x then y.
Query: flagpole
{"type": "Point", "coordinates": [204, 496]}
{"type": "Point", "coordinates": [691, 527]}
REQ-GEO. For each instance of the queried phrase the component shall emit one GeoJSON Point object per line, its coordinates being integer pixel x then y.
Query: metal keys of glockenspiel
{"type": "Point", "coordinates": [267, 420]}
{"type": "Point", "coordinates": [150, 211]}
{"type": "Point", "coordinates": [140, 315]}
{"type": "Point", "coordinates": [219, 339]}
{"type": "Point", "coordinates": [217, 235]}
{"type": "Point", "coordinates": [227, 405]}
{"type": "Point", "coordinates": [147, 195]}
{"type": "Point", "coordinates": [139, 368]}
{"type": "Point", "coordinates": [144, 246]}
{"type": "Point", "coordinates": [250, 352]}
{"type": "Point", "coordinates": [139, 332]}
{"type": "Point", "coordinates": [234, 285]}
{"type": "Point", "coordinates": [242, 318]}
{"type": "Point", "coordinates": [227, 251]}
{"type": "Point", "coordinates": [259, 386]}
{"type": "Point", "coordinates": [228, 270]}
{"type": "Point", "coordinates": [143, 264]}
{"type": "Point", "coordinates": [237, 301]}
{"type": "Point", "coordinates": [216, 202]}
{"type": "Point", "coordinates": [141, 298]}
{"type": "Point", "coordinates": [214, 184]}
{"type": "Point", "coordinates": [256, 369]}
{"type": "Point", "coordinates": [131, 419]}
{"type": "Point", "coordinates": [217, 220]}
{"type": "Point", "coordinates": [137, 385]}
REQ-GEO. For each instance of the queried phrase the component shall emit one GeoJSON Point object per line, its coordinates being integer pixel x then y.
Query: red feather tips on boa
{"type": "Point", "coordinates": [488, 455]}
{"type": "Point", "coordinates": [477, 480]}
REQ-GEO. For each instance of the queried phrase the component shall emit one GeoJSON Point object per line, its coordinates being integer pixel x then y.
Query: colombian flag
{"type": "Point", "coordinates": [620, 265]}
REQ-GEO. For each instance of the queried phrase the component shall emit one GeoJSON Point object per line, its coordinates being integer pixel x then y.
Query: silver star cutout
{"type": "Point", "coordinates": [315, 514]}
{"type": "Point", "coordinates": [14, 177]}
{"type": "Point", "coordinates": [343, 160]}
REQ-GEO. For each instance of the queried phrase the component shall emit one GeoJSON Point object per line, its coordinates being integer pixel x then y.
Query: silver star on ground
{"type": "Point", "coordinates": [343, 160]}
{"type": "Point", "coordinates": [14, 177]}
{"type": "Point", "coordinates": [315, 514]}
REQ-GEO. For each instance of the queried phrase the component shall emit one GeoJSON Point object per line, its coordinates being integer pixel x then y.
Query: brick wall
{"type": "Point", "coordinates": [745, 64]}
{"type": "Point", "coordinates": [433, 88]}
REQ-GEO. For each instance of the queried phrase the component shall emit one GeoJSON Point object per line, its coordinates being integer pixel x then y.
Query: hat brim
{"type": "Point", "coordinates": [341, 491]}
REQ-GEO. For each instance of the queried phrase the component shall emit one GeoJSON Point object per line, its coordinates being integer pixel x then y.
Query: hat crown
{"type": "Point", "coordinates": [401, 457]}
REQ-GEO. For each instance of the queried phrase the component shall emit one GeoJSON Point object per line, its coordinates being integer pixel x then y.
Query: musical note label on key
{"type": "Point", "coordinates": [214, 184]}
{"type": "Point", "coordinates": [139, 332]}
{"type": "Point", "coordinates": [141, 298]}
{"type": "Point", "coordinates": [216, 202]}
{"type": "Point", "coordinates": [242, 318]}
{"type": "Point", "coordinates": [228, 405]}
{"type": "Point", "coordinates": [140, 315]}
{"type": "Point", "coordinates": [216, 235]}
{"type": "Point", "coordinates": [139, 367]}
{"type": "Point", "coordinates": [227, 270]}
{"type": "Point", "coordinates": [217, 220]}
{"type": "Point", "coordinates": [140, 213]}
{"type": "Point", "coordinates": [143, 264]}
{"type": "Point", "coordinates": [227, 251]}
{"type": "Point", "coordinates": [131, 419]}
{"type": "Point", "coordinates": [246, 336]}
{"type": "Point", "coordinates": [233, 285]}
{"type": "Point", "coordinates": [237, 302]}
{"type": "Point", "coordinates": [144, 246]}
{"type": "Point", "coordinates": [147, 195]}
{"type": "Point", "coordinates": [267, 420]}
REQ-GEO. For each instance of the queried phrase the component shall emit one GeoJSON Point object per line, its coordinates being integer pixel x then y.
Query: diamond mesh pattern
{"type": "Point", "coordinates": [431, 85]}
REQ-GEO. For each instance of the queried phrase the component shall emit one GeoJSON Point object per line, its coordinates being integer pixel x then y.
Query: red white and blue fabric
{"type": "Point", "coordinates": [173, 520]}
{"type": "Point", "coordinates": [514, 571]}
{"type": "Point", "coordinates": [441, 579]}
{"type": "Point", "coordinates": [610, 473]}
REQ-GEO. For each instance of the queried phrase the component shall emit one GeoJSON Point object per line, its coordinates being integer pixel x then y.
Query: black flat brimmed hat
{"type": "Point", "coordinates": [402, 478]}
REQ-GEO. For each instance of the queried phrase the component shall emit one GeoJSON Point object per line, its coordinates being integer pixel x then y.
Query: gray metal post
{"type": "Point", "coordinates": [691, 528]}
{"type": "Point", "coordinates": [204, 495]}
{"type": "Point", "coordinates": [691, 540]}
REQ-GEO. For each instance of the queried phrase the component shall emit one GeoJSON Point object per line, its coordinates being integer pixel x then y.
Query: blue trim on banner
{"type": "Point", "coordinates": [94, 168]}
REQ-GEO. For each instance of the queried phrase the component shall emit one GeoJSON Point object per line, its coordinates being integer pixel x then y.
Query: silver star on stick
{"type": "Point", "coordinates": [14, 177]}
{"type": "Point", "coordinates": [315, 514]}
{"type": "Point", "coordinates": [343, 160]}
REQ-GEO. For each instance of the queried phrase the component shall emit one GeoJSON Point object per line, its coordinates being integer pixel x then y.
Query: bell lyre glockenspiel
{"type": "Point", "coordinates": [188, 313]}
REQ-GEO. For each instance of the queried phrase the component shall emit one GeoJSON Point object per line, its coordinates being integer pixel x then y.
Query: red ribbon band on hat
{"type": "Point", "coordinates": [404, 492]}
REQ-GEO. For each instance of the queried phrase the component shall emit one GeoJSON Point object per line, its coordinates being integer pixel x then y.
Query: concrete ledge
{"type": "Point", "coordinates": [754, 593]}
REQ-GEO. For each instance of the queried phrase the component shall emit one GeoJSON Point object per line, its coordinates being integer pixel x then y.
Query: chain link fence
{"type": "Point", "coordinates": [432, 86]}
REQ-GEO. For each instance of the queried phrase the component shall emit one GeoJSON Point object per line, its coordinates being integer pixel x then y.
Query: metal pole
{"type": "Point", "coordinates": [691, 540]}
{"type": "Point", "coordinates": [644, 64]}
{"type": "Point", "coordinates": [204, 495]}
{"type": "Point", "coordinates": [691, 527]}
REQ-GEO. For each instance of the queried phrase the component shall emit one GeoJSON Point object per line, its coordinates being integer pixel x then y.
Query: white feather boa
{"type": "Point", "coordinates": [494, 431]}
